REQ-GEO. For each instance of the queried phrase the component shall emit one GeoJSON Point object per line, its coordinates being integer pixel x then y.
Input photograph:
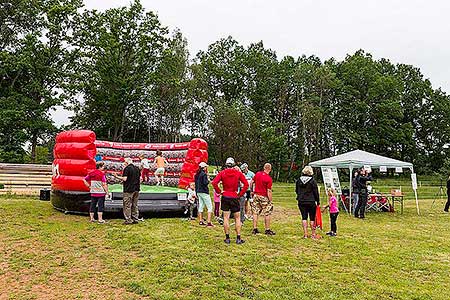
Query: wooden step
{"type": "Point", "coordinates": [12, 175]}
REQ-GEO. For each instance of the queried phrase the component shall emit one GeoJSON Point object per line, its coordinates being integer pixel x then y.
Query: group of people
{"type": "Point", "coordinates": [238, 193]}
{"type": "Point", "coordinates": [360, 192]}
{"type": "Point", "coordinates": [160, 164]}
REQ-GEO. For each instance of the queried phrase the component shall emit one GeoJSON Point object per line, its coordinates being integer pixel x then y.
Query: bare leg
{"type": "Point", "coordinates": [200, 217]}
{"type": "Point", "coordinates": [226, 222]}
{"type": "Point", "coordinates": [100, 216]}
{"type": "Point", "coordinates": [209, 217]}
{"type": "Point", "coordinates": [267, 222]}
{"type": "Point", "coordinates": [162, 180]}
{"type": "Point", "coordinates": [313, 229]}
{"type": "Point", "coordinates": [92, 216]}
{"type": "Point", "coordinates": [305, 228]}
{"type": "Point", "coordinates": [255, 221]}
{"type": "Point", "coordinates": [237, 218]}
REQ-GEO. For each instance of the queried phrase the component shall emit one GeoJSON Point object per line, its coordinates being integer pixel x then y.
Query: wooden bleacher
{"type": "Point", "coordinates": [24, 179]}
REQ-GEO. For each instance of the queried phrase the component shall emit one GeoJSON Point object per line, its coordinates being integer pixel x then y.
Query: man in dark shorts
{"type": "Point", "coordinates": [131, 187]}
{"type": "Point", "coordinates": [231, 179]}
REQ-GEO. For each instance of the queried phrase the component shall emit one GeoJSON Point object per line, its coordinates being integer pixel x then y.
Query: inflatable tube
{"type": "Point", "coordinates": [76, 151]}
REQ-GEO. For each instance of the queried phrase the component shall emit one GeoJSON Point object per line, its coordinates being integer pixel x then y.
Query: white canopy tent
{"type": "Point", "coordinates": [358, 158]}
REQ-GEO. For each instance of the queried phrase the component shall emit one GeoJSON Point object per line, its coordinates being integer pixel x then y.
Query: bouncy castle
{"type": "Point", "coordinates": [75, 155]}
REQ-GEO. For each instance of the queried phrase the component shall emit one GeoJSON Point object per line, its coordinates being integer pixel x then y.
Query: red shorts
{"type": "Point", "coordinates": [145, 174]}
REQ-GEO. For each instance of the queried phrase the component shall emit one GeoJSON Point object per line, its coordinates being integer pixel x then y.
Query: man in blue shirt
{"type": "Point", "coordinates": [247, 197]}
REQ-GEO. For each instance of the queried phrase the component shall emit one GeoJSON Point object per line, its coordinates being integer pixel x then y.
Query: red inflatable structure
{"type": "Point", "coordinates": [76, 152]}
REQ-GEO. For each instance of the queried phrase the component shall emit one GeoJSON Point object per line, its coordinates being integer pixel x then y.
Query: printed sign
{"type": "Point", "coordinates": [331, 179]}
{"type": "Point", "coordinates": [383, 169]}
{"type": "Point", "coordinates": [414, 181]}
{"type": "Point", "coordinates": [398, 170]}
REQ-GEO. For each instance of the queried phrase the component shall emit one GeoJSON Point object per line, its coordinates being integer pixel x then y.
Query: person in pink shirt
{"type": "Point", "coordinates": [216, 204]}
{"type": "Point", "coordinates": [334, 211]}
{"type": "Point", "coordinates": [96, 182]}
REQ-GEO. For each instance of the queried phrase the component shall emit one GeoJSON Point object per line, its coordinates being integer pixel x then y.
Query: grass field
{"type": "Point", "coordinates": [45, 254]}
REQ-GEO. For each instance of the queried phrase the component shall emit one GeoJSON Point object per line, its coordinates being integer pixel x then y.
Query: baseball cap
{"type": "Point", "coordinates": [244, 166]}
{"type": "Point", "coordinates": [230, 161]}
{"type": "Point", "coordinates": [203, 164]}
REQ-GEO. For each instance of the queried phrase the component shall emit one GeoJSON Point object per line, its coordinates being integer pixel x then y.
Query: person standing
{"type": "Point", "coordinates": [334, 211]}
{"type": "Point", "coordinates": [447, 205]}
{"type": "Point", "coordinates": [145, 165]}
{"type": "Point", "coordinates": [249, 176]}
{"type": "Point", "coordinates": [355, 191]}
{"type": "Point", "coordinates": [161, 164]}
{"type": "Point", "coordinates": [231, 180]}
{"type": "Point", "coordinates": [202, 191]}
{"type": "Point", "coordinates": [96, 182]}
{"type": "Point", "coordinates": [362, 179]}
{"type": "Point", "coordinates": [308, 198]}
{"type": "Point", "coordinates": [131, 188]}
{"type": "Point", "coordinates": [262, 199]}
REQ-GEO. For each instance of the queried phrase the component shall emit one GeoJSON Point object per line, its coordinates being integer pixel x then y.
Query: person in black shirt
{"type": "Point", "coordinates": [308, 199]}
{"type": "Point", "coordinates": [362, 180]}
{"type": "Point", "coordinates": [447, 205]}
{"type": "Point", "coordinates": [131, 188]}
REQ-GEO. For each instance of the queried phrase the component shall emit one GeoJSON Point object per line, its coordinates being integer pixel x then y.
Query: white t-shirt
{"type": "Point", "coordinates": [145, 163]}
{"type": "Point", "coordinates": [191, 195]}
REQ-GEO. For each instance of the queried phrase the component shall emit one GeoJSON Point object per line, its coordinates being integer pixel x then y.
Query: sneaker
{"type": "Point", "coordinates": [127, 223]}
{"type": "Point", "coordinates": [227, 241]}
{"type": "Point", "coordinates": [255, 231]}
{"type": "Point", "coordinates": [101, 221]}
{"type": "Point", "coordinates": [240, 241]}
{"type": "Point", "coordinates": [269, 232]}
{"type": "Point", "coordinates": [202, 223]}
{"type": "Point", "coordinates": [333, 234]}
{"type": "Point", "coordinates": [329, 233]}
{"type": "Point", "coordinates": [210, 225]}
{"type": "Point", "coordinates": [185, 212]}
{"type": "Point", "coordinates": [135, 222]}
{"type": "Point", "coordinates": [140, 219]}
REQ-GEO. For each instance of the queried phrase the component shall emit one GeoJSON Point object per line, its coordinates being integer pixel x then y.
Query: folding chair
{"type": "Point", "coordinates": [372, 203]}
{"type": "Point", "coordinates": [383, 203]}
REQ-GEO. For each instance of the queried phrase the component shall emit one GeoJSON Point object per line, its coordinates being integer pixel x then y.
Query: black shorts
{"type": "Point", "coordinates": [308, 208]}
{"type": "Point", "coordinates": [230, 204]}
{"type": "Point", "coordinates": [247, 195]}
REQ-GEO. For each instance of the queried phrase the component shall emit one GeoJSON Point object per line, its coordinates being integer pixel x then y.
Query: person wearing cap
{"type": "Point", "coordinates": [262, 200]}
{"type": "Point", "coordinates": [231, 180]}
{"type": "Point", "coordinates": [249, 176]}
{"type": "Point", "coordinates": [202, 191]}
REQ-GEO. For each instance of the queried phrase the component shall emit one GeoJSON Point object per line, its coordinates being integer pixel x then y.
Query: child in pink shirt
{"type": "Point", "coordinates": [216, 204]}
{"type": "Point", "coordinates": [334, 211]}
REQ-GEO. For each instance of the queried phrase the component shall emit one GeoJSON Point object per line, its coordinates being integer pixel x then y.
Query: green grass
{"type": "Point", "coordinates": [45, 254]}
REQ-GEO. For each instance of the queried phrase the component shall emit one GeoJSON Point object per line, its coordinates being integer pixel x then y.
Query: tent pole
{"type": "Point", "coordinates": [350, 190]}
{"type": "Point", "coordinates": [415, 194]}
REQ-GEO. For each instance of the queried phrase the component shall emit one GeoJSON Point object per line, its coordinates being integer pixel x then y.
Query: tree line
{"type": "Point", "coordinates": [129, 78]}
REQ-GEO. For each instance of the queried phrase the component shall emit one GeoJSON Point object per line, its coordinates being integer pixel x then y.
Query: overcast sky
{"type": "Point", "coordinates": [404, 31]}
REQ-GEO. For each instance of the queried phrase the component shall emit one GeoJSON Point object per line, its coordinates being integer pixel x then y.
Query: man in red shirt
{"type": "Point", "coordinates": [262, 200]}
{"type": "Point", "coordinates": [231, 180]}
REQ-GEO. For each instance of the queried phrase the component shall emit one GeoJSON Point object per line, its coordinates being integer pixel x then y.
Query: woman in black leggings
{"type": "Point", "coordinates": [447, 205]}
{"type": "Point", "coordinates": [308, 199]}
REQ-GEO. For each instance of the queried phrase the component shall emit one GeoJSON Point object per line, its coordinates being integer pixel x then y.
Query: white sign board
{"type": "Point", "coordinates": [331, 179]}
{"type": "Point", "coordinates": [398, 170]}
{"type": "Point", "coordinates": [383, 169]}
{"type": "Point", "coordinates": [414, 181]}
{"type": "Point", "coordinates": [368, 169]}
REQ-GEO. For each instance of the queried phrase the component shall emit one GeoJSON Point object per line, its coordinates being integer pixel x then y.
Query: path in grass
{"type": "Point", "coordinates": [49, 255]}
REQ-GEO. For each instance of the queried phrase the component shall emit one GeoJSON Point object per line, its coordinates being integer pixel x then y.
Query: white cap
{"type": "Point", "coordinates": [244, 166]}
{"type": "Point", "coordinates": [230, 161]}
{"type": "Point", "coordinates": [202, 164]}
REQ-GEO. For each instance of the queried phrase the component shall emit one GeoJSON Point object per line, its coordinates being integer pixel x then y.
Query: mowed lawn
{"type": "Point", "coordinates": [45, 254]}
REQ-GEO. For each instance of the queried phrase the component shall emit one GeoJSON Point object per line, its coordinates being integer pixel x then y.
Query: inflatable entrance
{"type": "Point", "coordinates": [75, 155]}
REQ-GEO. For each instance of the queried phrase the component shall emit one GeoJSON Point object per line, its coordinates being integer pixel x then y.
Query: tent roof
{"type": "Point", "coordinates": [358, 158]}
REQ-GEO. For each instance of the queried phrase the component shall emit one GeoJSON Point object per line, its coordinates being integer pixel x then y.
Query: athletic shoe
{"type": "Point", "coordinates": [185, 212]}
{"type": "Point", "coordinates": [127, 223]}
{"type": "Point", "coordinates": [210, 225]}
{"type": "Point", "coordinates": [140, 219]}
{"type": "Point", "coordinates": [329, 233]}
{"type": "Point", "coordinates": [227, 241]}
{"type": "Point", "coordinates": [255, 231]}
{"type": "Point", "coordinates": [333, 234]}
{"type": "Point", "coordinates": [135, 222]}
{"type": "Point", "coordinates": [202, 223]}
{"type": "Point", "coordinates": [269, 232]}
{"type": "Point", "coordinates": [240, 241]}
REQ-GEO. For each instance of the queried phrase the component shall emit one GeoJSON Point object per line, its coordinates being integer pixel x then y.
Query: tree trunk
{"type": "Point", "coordinates": [33, 147]}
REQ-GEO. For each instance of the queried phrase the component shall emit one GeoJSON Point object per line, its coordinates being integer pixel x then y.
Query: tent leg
{"type": "Point", "coordinates": [415, 194]}
{"type": "Point", "coordinates": [350, 191]}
